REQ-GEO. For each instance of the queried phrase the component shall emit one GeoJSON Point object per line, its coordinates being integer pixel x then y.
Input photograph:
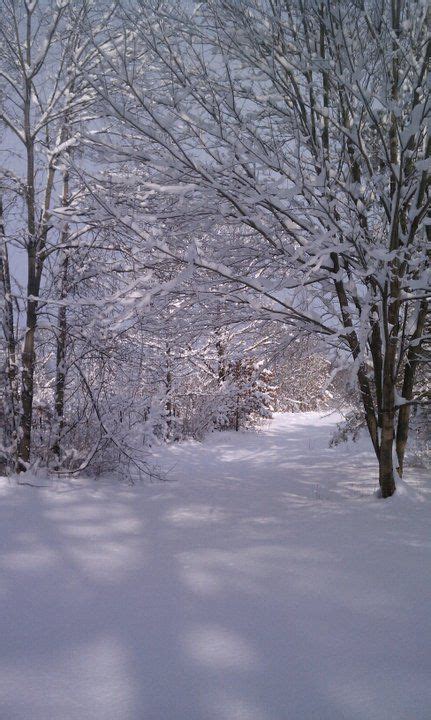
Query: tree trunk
{"type": "Point", "coordinates": [28, 364]}
{"type": "Point", "coordinates": [386, 467]}
{"type": "Point", "coordinates": [221, 362]}
{"type": "Point", "coordinates": [10, 390]}
{"type": "Point", "coordinates": [28, 358]}
{"type": "Point", "coordinates": [37, 236]}
{"type": "Point", "coordinates": [408, 385]}
{"type": "Point", "coordinates": [60, 370]}
{"type": "Point", "coordinates": [391, 293]}
{"type": "Point", "coordinates": [60, 367]}
{"type": "Point", "coordinates": [168, 393]}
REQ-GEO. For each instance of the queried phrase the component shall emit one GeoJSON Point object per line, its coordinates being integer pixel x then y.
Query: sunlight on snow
{"type": "Point", "coordinates": [195, 515]}
{"type": "Point", "coordinates": [227, 706]}
{"type": "Point", "coordinates": [216, 647]}
{"type": "Point", "coordinates": [38, 558]}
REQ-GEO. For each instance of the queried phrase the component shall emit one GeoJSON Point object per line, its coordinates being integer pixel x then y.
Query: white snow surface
{"type": "Point", "coordinates": [263, 581]}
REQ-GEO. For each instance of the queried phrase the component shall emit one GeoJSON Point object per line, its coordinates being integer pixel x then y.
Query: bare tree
{"type": "Point", "coordinates": [42, 56]}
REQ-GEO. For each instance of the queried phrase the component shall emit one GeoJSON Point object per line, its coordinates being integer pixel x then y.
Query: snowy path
{"type": "Point", "coordinates": [264, 582]}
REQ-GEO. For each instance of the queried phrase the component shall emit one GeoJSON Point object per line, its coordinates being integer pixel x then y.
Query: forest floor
{"type": "Point", "coordinates": [262, 581]}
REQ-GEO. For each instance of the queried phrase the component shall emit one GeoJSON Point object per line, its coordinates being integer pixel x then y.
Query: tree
{"type": "Point", "coordinates": [8, 353]}
{"type": "Point", "coordinates": [42, 57]}
{"type": "Point", "coordinates": [303, 125]}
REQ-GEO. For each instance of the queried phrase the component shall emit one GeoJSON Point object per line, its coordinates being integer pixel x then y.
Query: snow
{"type": "Point", "coordinates": [262, 581]}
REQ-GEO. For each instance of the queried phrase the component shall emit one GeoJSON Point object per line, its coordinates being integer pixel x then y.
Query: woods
{"type": "Point", "coordinates": [192, 192]}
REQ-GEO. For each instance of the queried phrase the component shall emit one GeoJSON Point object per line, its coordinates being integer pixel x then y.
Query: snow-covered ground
{"type": "Point", "coordinates": [264, 581]}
